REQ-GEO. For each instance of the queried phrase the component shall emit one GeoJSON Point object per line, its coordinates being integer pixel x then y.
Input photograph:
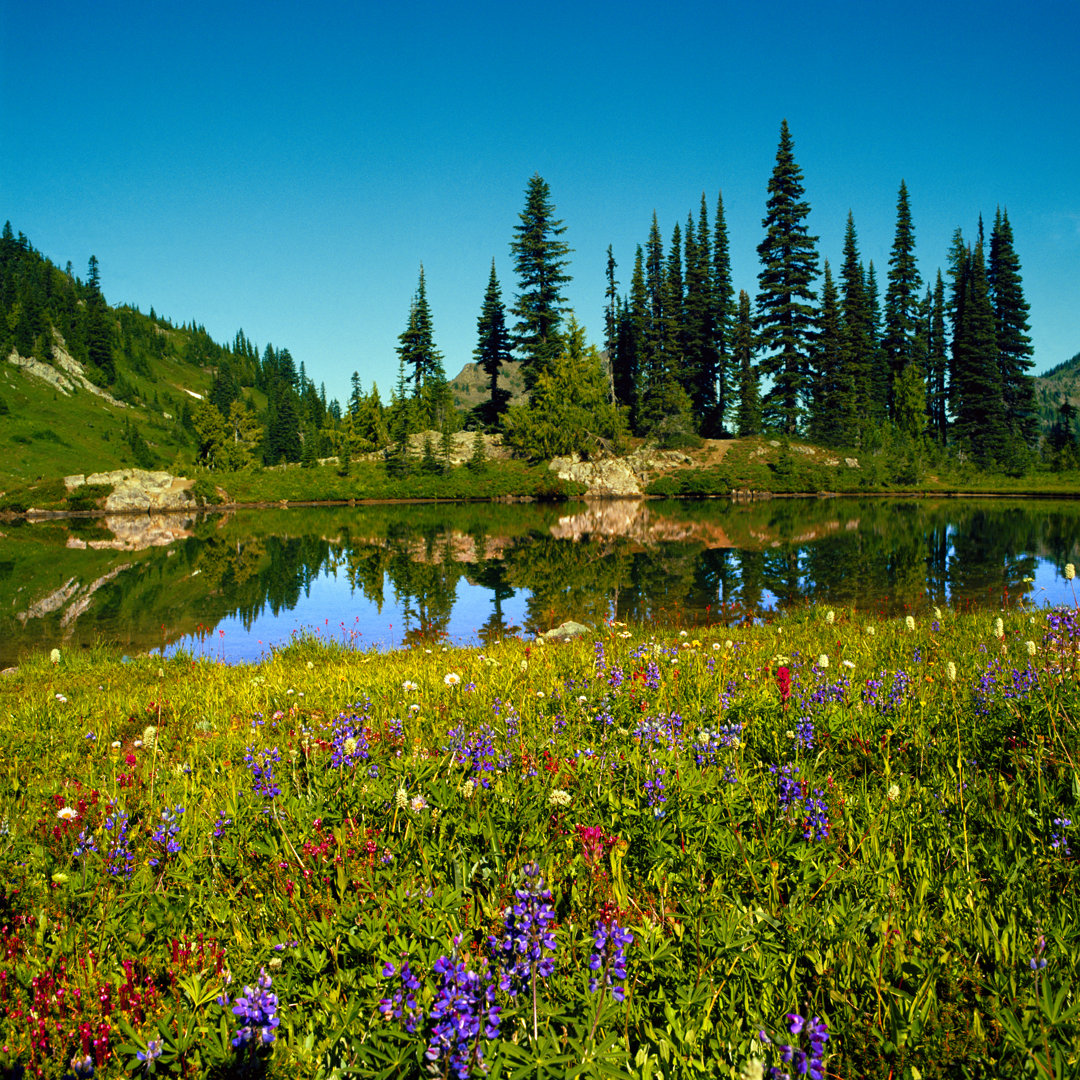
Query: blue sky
{"type": "Point", "coordinates": [286, 167]}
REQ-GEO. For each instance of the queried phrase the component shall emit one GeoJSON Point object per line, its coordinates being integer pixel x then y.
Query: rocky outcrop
{"type": "Point", "coordinates": [565, 632]}
{"type": "Point", "coordinates": [139, 491]}
{"type": "Point", "coordinates": [68, 376]}
{"type": "Point", "coordinates": [612, 478]}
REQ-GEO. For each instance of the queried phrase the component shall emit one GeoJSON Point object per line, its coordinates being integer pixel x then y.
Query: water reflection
{"type": "Point", "coordinates": [233, 584]}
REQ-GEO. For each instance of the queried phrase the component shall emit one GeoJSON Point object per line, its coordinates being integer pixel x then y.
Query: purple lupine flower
{"type": "Point", "coordinates": [527, 944]}
{"type": "Point", "coordinates": [788, 788]}
{"type": "Point", "coordinates": [261, 764]}
{"type": "Point", "coordinates": [816, 821]}
{"type": "Point", "coordinates": [256, 1009]}
{"type": "Point", "coordinates": [403, 1001]}
{"type": "Point", "coordinates": [804, 733]}
{"type": "Point", "coordinates": [464, 1010]}
{"type": "Point", "coordinates": [809, 1064]}
{"type": "Point", "coordinates": [119, 858]}
{"type": "Point", "coordinates": [1058, 839]}
{"type": "Point", "coordinates": [348, 743]}
{"type": "Point", "coordinates": [151, 1054]}
{"type": "Point", "coordinates": [168, 832]}
{"type": "Point", "coordinates": [608, 960]}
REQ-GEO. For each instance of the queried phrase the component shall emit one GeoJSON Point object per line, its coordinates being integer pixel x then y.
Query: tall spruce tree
{"type": "Point", "coordinates": [785, 302]}
{"type": "Point", "coordinates": [856, 333]}
{"type": "Point", "coordinates": [540, 259]}
{"type": "Point", "coordinates": [748, 417]}
{"type": "Point", "coordinates": [99, 332]}
{"type": "Point", "coordinates": [902, 296]}
{"type": "Point", "coordinates": [937, 365]}
{"type": "Point", "coordinates": [699, 326]}
{"type": "Point", "coordinates": [980, 414]}
{"type": "Point", "coordinates": [832, 399]}
{"type": "Point", "coordinates": [723, 294]}
{"type": "Point", "coordinates": [492, 352]}
{"type": "Point", "coordinates": [1011, 336]}
{"type": "Point", "coordinates": [422, 363]}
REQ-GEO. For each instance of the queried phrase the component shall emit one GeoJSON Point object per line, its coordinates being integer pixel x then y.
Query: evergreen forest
{"type": "Point", "coordinates": [835, 351]}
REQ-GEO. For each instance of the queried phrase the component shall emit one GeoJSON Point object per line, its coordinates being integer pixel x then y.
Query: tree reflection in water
{"type": "Point", "coordinates": [686, 563]}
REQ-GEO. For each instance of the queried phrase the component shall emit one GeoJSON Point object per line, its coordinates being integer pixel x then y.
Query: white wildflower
{"type": "Point", "coordinates": [894, 792]}
{"type": "Point", "coordinates": [950, 670]}
{"type": "Point", "coordinates": [1070, 571]}
{"type": "Point", "coordinates": [409, 686]}
{"type": "Point", "coordinates": [1030, 646]}
{"type": "Point", "coordinates": [451, 678]}
{"type": "Point", "coordinates": [822, 661]}
{"type": "Point", "coordinates": [999, 628]}
{"type": "Point", "coordinates": [848, 663]}
{"type": "Point", "coordinates": [909, 622]}
{"type": "Point", "coordinates": [115, 744]}
{"type": "Point", "coordinates": [310, 665]}
{"type": "Point", "coordinates": [149, 737]}
{"type": "Point", "coordinates": [582, 699]}
{"type": "Point", "coordinates": [716, 645]}
{"type": "Point", "coordinates": [753, 1069]}
{"type": "Point", "coordinates": [870, 631]}
{"type": "Point", "coordinates": [401, 799]}
{"type": "Point", "coordinates": [467, 788]}
{"type": "Point", "coordinates": [67, 813]}
{"type": "Point", "coordinates": [558, 797]}
{"type": "Point", "coordinates": [540, 693]}
{"type": "Point", "coordinates": [414, 708]}
{"type": "Point", "coordinates": [418, 804]}
{"type": "Point", "coordinates": [61, 699]}
{"type": "Point", "coordinates": [729, 644]}
{"type": "Point", "coordinates": [830, 616]}
{"type": "Point", "coordinates": [54, 656]}
{"type": "Point", "coordinates": [937, 613]}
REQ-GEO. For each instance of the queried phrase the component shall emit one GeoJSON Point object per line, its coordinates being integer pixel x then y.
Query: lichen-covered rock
{"type": "Point", "coordinates": [138, 491]}
{"type": "Point", "coordinates": [566, 631]}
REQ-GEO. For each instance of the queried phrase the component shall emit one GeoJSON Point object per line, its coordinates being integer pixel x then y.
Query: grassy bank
{"type": "Point", "coordinates": [626, 855]}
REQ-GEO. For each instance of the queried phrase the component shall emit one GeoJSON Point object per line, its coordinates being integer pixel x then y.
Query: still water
{"type": "Point", "coordinates": [234, 586]}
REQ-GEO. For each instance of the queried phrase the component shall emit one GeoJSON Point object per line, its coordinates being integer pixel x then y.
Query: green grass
{"type": "Point", "coordinates": [636, 769]}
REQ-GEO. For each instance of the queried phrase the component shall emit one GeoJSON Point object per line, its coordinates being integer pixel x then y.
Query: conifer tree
{"type": "Point", "coordinates": [857, 359]}
{"type": "Point", "coordinates": [902, 297]}
{"type": "Point", "coordinates": [879, 363]}
{"type": "Point", "coordinates": [723, 295]}
{"type": "Point", "coordinates": [422, 362]}
{"type": "Point", "coordinates": [785, 300]}
{"type": "Point", "coordinates": [980, 414]}
{"type": "Point", "coordinates": [1011, 335]}
{"type": "Point", "coordinates": [748, 420]}
{"type": "Point", "coordinates": [699, 326]}
{"type": "Point", "coordinates": [631, 344]}
{"type": "Point", "coordinates": [492, 352]}
{"type": "Point", "coordinates": [611, 315]}
{"type": "Point", "coordinates": [540, 259]}
{"type": "Point", "coordinates": [937, 365]}
{"type": "Point", "coordinates": [99, 334]}
{"type": "Point", "coordinates": [832, 401]}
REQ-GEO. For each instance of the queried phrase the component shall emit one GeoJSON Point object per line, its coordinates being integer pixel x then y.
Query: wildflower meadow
{"type": "Point", "coordinates": [827, 845]}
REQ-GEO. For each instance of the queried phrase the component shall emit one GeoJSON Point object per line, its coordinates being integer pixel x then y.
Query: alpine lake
{"type": "Point", "coordinates": [233, 586]}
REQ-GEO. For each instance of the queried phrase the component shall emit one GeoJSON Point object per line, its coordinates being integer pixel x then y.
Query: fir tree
{"type": "Point", "coordinates": [540, 259]}
{"type": "Point", "coordinates": [723, 296]}
{"type": "Point", "coordinates": [785, 300]}
{"type": "Point", "coordinates": [857, 359]}
{"type": "Point", "coordinates": [99, 333]}
{"type": "Point", "coordinates": [492, 352]}
{"type": "Point", "coordinates": [422, 362]}
{"type": "Point", "coordinates": [699, 328]}
{"type": "Point", "coordinates": [937, 365]}
{"type": "Point", "coordinates": [1011, 327]}
{"type": "Point", "coordinates": [901, 297]}
{"type": "Point", "coordinates": [832, 401]}
{"type": "Point", "coordinates": [980, 418]}
{"type": "Point", "coordinates": [748, 421]}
